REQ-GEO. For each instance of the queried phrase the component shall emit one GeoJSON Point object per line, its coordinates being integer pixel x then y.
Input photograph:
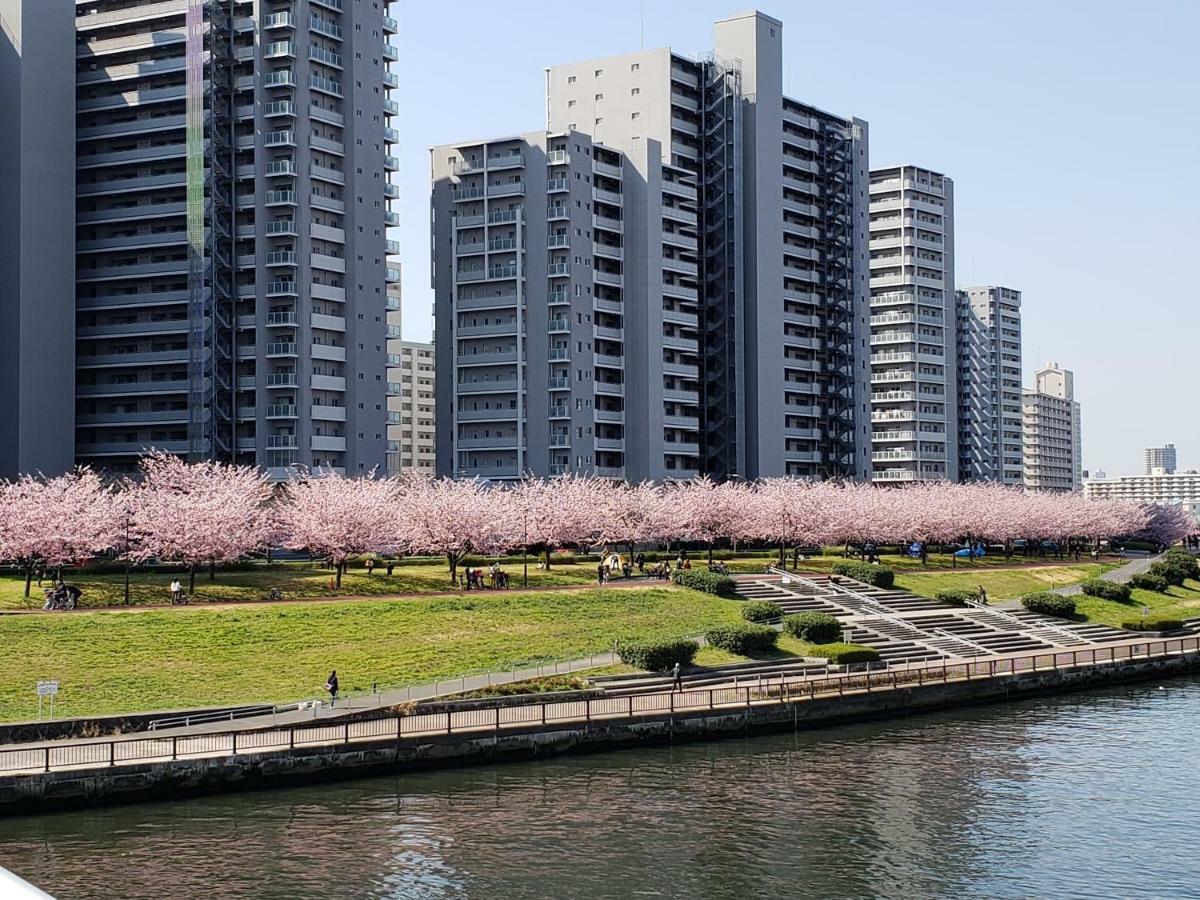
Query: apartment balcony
{"type": "Point", "coordinates": [616, 279]}
{"type": "Point", "coordinates": [495, 442]}
{"type": "Point", "coordinates": [559, 326]}
{"type": "Point", "coordinates": [136, 329]}
{"type": "Point", "coordinates": [491, 358]}
{"type": "Point", "coordinates": [130, 448]}
{"type": "Point", "coordinates": [893, 475]}
{"type": "Point", "coordinates": [486, 415]}
{"type": "Point", "coordinates": [328, 413]}
{"type": "Point", "coordinates": [609, 197]}
{"type": "Point", "coordinates": [179, 386]}
{"type": "Point", "coordinates": [557, 185]}
{"type": "Point", "coordinates": [499, 301]}
{"type": "Point", "coordinates": [281, 380]}
{"type": "Point", "coordinates": [495, 386]}
{"type": "Point", "coordinates": [608, 388]}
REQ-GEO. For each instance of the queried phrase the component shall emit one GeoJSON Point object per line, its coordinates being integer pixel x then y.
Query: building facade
{"type": "Point", "coordinates": [1163, 458]}
{"type": "Point", "coordinates": [232, 206]}
{"type": "Point", "coordinates": [1153, 487]}
{"type": "Point", "coordinates": [37, 237]}
{"type": "Point", "coordinates": [914, 376]}
{"type": "Point", "coordinates": [989, 380]}
{"type": "Point", "coordinates": [411, 407]}
{"type": "Point", "coordinates": [700, 293]}
{"type": "Point", "coordinates": [1052, 457]}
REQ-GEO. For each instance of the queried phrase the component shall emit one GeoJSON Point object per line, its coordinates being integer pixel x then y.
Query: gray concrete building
{"type": "Point", "coordinates": [914, 406]}
{"type": "Point", "coordinates": [232, 206]}
{"type": "Point", "coordinates": [1051, 432]}
{"type": "Point", "coordinates": [989, 379]}
{"type": "Point", "coordinates": [529, 288]}
{"type": "Point", "coordinates": [1160, 459]}
{"type": "Point", "coordinates": [37, 237]}
{"type": "Point", "coordinates": [705, 264]}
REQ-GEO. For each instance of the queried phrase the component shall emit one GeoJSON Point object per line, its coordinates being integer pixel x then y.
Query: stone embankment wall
{"type": "Point", "coordinates": [170, 779]}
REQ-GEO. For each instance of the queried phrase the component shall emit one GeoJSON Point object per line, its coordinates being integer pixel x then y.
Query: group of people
{"type": "Point", "coordinates": [473, 579]}
{"type": "Point", "coordinates": [61, 596]}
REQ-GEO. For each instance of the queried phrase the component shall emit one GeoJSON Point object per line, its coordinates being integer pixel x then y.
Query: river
{"type": "Point", "coordinates": [1085, 795]}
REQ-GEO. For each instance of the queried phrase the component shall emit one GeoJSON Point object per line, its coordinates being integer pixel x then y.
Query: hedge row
{"type": "Point", "coordinates": [1144, 581]}
{"type": "Point", "coordinates": [743, 639]}
{"type": "Point", "coordinates": [1106, 590]}
{"type": "Point", "coordinates": [814, 627]}
{"type": "Point", "coordinates": [844, 654]}
{"type": "Point", "coordinates": [1176, 566]}
{"type": "Point", "coordinates": [1152, 624]}
{"type": "Point", "coordinates": [658, 656]}
{"type": "Point", "coordinates": [761, 611]}
{"type": "Point", "coordinates": [879, 576]}
{"type": "Point", "coordinates": [1049, 604]}
{"type": "Point", "coordinates": [957, 598]}
{"type": "Point", "coordinates": [708, 582]}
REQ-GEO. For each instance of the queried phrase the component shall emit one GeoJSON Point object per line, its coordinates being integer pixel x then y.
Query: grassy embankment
{"type": "Point", "coordinates": [109, 662]}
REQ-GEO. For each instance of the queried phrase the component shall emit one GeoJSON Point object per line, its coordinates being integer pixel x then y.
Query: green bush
{"type": "Point", "coordinates": [1151, 623]}
{"type": "Point", "coordinates": [1170, 570]}
{"type": "Point", "coordinates": [956, 598]}
{"type": "Point", "coordinates": [761, 611]}
{"type": "Point", "coordinates": [844, 654]}
{"type": "Point", "coordinates": [1049, 604]}
{"type": "Point", "coordinates": [867, 573]}
{"type": "Point", "coordinates": [658, 656]}
{"type": "Point", "coordinates": [1106, 590]}
{"type": "Point", "coordinates": [743, 639]}
{"type": "Point", "coordinates": [1179, 559]}
{"type": "Point", "coordinates": [814, 627]}
{"type": "Point", "coordinates": [1147, 582]}
{"type": "Point", "coordinates": [708, 582]}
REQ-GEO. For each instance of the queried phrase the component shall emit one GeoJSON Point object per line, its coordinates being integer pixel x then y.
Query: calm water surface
{"type": "Point", "coordinates": [1091, 795]}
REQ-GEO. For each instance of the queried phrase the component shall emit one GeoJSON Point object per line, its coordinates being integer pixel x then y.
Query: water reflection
{"type": "Point", "coordinates": [1072, 796]}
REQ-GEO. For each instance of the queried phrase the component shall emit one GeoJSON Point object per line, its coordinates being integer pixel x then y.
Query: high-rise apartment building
{"type": "Point", "coordinates": [690, 283]}
{"type": "Point", "coordinates": [989, 384]}
{"type": "Point", "coordinates": [1051, 430]}
{"type": "Point", "coordinates": [1161, 458]}
{"type": "Point", "coordinates": [232, 185]}
{"type": "Point", "coordinates": [37, 237]}
{"type": "Point", "coordinates": [914, 407]}
{"type": "Point", "coordinates": [411, 408]}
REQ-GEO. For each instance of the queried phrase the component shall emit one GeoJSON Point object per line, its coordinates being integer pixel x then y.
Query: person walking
{"type": "Point", "coordinates": [677, 684]}
{"type": "Point", "coordinates": [331, 685]}
{"type": "Point", "coordinates": [176, 591]}
{"type": "Point", "coordinates": [600, 573]}
{"type": "Point", "coordinates": [983, 595]}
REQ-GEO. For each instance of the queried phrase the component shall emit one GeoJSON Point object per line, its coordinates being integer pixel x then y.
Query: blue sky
{"type": "Point", "coordinates": [1071, 130]}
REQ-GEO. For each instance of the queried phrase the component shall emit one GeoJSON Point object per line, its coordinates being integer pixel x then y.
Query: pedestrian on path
{"type": "Point", "coordinates": [678, 683]}
{"type": "Point", "coordinates": [983, 595]}
{"type": "Point", "coordinates": [176, 591]}
{"type": "Point", "coordinates": [331, 685]}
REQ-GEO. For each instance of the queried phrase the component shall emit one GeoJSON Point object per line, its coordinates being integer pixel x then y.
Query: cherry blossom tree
{"type": "Point", "coordinates": [335, 518]}
{"type": "Point", "coordinates": [451, 518]}
{"type": "Point", "coordinates": [703, 510]}
{"type": "Point", "coordinates": [562, 511]}
{"type": "Point", "coordinates": [197, 513]}
{"type": "Point", "coordinates": [53, 522]}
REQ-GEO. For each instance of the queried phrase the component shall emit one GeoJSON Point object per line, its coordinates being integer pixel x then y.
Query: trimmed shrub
{"type": "Point", "coordinates": [814, 627]}
{"type": "Point", "coordinates": [1106, 590]}
{"type": "Point", "coordinates": [1184, 562]}
{"type": "Point", "coordinates": [867, 573]}
{"type": "Point", "coordinates": [1049, 604]}
{"type": "Point", "coordinates": [1150, 623]}
{"type": "Point", "coordinates": [761, 611]}
{"type": "Point", "coordinates": [743, 639]}
{"type": "Point", "coordinates": [845, 654]}
{"type": "Point", "coordinates": [1147, 582]}
{"type": "Point", "coordinates": [956, 598]}
{"type": "Point", "coordinates": [700, 580]}
{"type": "Point", "coordinates": [1172, 571]}
{"type": "Point", "coordinates": [658, 656]}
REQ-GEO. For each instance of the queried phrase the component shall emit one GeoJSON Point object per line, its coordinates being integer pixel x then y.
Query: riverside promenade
{"type": "Point", "coordinates": [160, 766]}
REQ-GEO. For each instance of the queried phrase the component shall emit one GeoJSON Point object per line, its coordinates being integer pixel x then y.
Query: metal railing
{"type": "Point", "coordinates": [494, 719]}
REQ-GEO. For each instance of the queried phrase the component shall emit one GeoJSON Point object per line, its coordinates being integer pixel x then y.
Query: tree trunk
{"type": "Point", "coordinates": [341, 567]}
{"type": "Point", "coordinates": [549, 550]}
{"type": "Point", "coordinates": [453, 562]}
{"type": "Point", "coordinates": [782, 554]}
{"type": "Point", "coordinates": [212, 570]}
{"type": "Point", "coordinates": [191, 579]}
{"type": "Point", "coordinates": [28, 579]}
{"type": "Point", "coordinates": [710, 552]}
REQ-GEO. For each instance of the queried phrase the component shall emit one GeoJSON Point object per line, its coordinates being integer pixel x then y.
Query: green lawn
{"type": "Point", "coordinates": [1000, 585]}
{"type": "Point", "coordinates": [108, 662]}
{"type": "Point", "coordinates": [788, 647]}
{"type": "Point", "coordinates": [1177, 603]}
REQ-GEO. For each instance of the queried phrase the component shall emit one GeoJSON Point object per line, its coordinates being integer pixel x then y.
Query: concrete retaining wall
{"type": "Point", "coordinates": [303, 765]}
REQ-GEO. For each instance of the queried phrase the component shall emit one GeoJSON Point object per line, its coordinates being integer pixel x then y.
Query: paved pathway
{"type": "Point", "coordinates": [1119, 575]}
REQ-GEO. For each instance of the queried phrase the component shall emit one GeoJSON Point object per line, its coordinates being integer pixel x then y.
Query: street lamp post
{"type": "Point", "coordinates": [126, 555]}
{"type": "Point", "coordinates": [525, 545]}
